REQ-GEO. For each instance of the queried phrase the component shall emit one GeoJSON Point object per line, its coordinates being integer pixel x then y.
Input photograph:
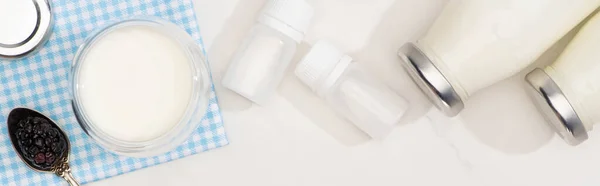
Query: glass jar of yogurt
{"type": "Point", "coordinates": [568, 91]}
{"type": "Point", "coordinates": [140, 86]}
{"type": "Point", "coordinates": [474, 44]}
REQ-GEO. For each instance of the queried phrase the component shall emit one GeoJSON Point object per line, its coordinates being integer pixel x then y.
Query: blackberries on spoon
{"type": "Point", "coordinates": [38, 141]}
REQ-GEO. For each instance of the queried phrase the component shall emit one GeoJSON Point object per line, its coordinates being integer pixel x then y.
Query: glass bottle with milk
{"type": "Point", "coordinates": [568, 91]}
{"type": "Point", "coordinates": [474, 44]}
{"type": "Point", "coordinates": [259, 64]}
{"type": "Point", "coordinates": [351, 92]}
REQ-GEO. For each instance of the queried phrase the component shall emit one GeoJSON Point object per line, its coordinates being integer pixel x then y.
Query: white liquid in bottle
{"type": "Point", "coordinates": [474, 44]}
{"type": "Point", "coordinates": [354, 94]}
{"type": "Point", "coordinates": [369, 104]}
{"type": "Point", "coordinates": [259, 64]}
{"type": "Point", "coordinates": [576, 74]}
{"type": "Point", "coordinates": [135, 83]}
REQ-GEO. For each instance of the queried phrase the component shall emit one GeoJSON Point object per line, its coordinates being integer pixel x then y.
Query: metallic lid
{"type": "Point", "coordinates": [551, 101]}
{"type": "Point", "coordinates": [430, 80]}
{"type": "Point", "coordinates": [26, 25]}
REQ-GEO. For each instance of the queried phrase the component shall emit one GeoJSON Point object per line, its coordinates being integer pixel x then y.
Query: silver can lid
{"type": "Point", "coordinates": [430, 80]}
{"type": "Point", "coordinates": [26, 25]}
{"type": "Point", "coordinates": [556, 108]}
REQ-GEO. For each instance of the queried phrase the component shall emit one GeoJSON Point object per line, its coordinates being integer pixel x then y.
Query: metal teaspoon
{"type": "Point", "coordinates": [40, 143]}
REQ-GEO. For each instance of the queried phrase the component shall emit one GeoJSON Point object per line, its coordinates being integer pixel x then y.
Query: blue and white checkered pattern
{"type": "Point", "coordinates": [41, 82]}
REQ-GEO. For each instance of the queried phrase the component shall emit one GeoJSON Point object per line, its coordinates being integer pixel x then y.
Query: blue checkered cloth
{"type": "Point", "coordinates": [41, 82]}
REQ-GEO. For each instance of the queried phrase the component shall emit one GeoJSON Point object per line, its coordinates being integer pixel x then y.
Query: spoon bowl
{"type": "Point", "coordinates": [40, 143]}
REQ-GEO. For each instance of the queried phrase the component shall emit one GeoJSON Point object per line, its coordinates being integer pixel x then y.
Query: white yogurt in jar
{"type": "Point", "coordinates": [135, 83]}
{"type": "Point", "coordinates": [577, 73]}
{"type": "Point", "coordinates": [474, 44]}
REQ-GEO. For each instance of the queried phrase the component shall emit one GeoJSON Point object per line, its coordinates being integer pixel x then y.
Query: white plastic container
{"type": "Point", "coordinates": [353, 93]}
{"type": "Point", "coordinates": [474, 44]}
{"type": "Point", "coordinates": [568, 91]}
{"type": "Point", "coordinates": [259, 63]}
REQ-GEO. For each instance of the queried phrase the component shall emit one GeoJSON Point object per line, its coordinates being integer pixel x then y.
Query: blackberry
{"type": "Point", "coordinates": [39, 141]}
{"type": "Point", "coordinates": [29, 129]}
{"type": "Point", "coordinates": [20, 132]}
{"type": "Point", "coordinates": [45, 127]}
{"type": "Point", "coordinates": [34, 150]}
{"type": "Point", "coordinates": [22, 124]}
{"type": "Point", "coordinates": [24, 135]}
{"type": "Point", "coordinates": [47, 142]}
{"type": "Point", "coordinates": [50, 160]}
{"type": "Point", "coordinates": [53, 133]}
{"type": "Point", "coordinates": [55, 147]}
{"type": "Point", "coordinates": [40, 158]}
{"type": "Point", "coordinates": [49, 157]}
{"type": "Point", "coordinates": [37, 120]}
{"type": "Point", "coordinates": [27, 142]}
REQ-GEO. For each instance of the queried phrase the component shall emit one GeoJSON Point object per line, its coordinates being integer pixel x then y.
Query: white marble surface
{"type": "Point", "coordinates": [498, 140]}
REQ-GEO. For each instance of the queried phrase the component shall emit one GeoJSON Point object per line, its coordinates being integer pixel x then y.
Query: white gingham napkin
{"type": "Point", "coordinates": [41, 82]}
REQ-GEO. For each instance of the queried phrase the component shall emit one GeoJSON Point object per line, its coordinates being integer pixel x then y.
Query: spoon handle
{"type": "Point", "coordinates": [64, 171]}
{"type": "Point", "coordinates": [70, 179]}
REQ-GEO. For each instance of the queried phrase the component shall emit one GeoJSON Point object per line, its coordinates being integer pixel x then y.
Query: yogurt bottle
{"type": "Point", "coordinates": [474, 44]}
{"type": "Point", "coordinates": [351, 91]}
{"type": "Point", "coordinates": [568, 91]}
{"type": "Point", "coordinates": [259, 64]}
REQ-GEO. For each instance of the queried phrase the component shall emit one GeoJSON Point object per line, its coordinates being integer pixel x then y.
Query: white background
{"type": "Point", "coordinates": [499, 139]}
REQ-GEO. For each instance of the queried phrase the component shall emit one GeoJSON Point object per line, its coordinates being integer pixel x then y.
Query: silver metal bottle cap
{"type": "Point", "coordinates": [430, 80]}
{"type": "Point", "coordinates": [551, 101]}
{"type": "Point", "coordinates": [26, 25]}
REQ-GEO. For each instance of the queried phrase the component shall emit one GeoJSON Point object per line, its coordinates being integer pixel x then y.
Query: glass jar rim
{"type": "Point", "coordinates": [195, 110]}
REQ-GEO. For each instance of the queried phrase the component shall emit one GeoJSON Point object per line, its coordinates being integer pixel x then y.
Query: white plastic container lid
{"type": "Point", "coordinates": [291, 17]}
{"type": "Point", "coordinates": [26, 25]}
{"type": "Point", "coordinates": [322, 67]}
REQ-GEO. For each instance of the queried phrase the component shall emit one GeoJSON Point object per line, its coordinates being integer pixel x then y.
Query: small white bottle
{"type": "Point", "coordinates": [369, 104]}
{"type": "Point", "coordinates": [259, 63]}
{"type": "Point", "coordinates": [568, 91]}
{"type": "Point", "coordinates": [474, 44]}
